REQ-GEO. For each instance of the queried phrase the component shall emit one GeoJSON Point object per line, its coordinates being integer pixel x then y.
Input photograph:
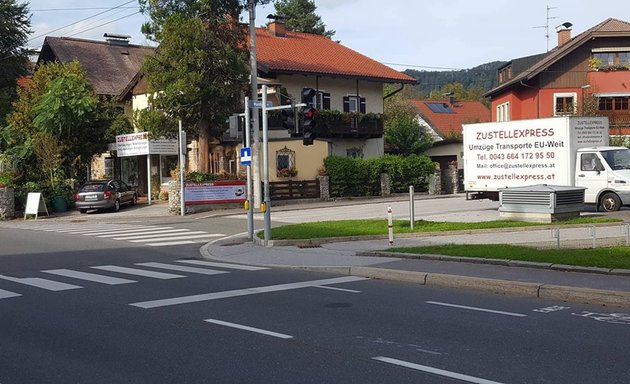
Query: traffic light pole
{"type": "Point", "coordinates": [253, 79]}
{"type": "Point", "coordinates": [265, 149]}
{"type": "Point", "coordinates": [250, 192]}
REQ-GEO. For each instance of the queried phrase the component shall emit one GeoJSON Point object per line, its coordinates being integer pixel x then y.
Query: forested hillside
{"type": "Point", "coordinates": [480, 78]}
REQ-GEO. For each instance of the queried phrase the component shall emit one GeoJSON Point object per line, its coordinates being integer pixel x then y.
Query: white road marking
{"type": "Point", "coordinates": [185, 237]}
{"type": "Point", "coordinates": [101, 229]}
{"type": "Point", "coordinates": [223, 265]}
{"type": "Point", "coordinates": [183, 268]}
{"type": "Point", "coordinates": [435, 371]}
{"type": "Point", "coordinates": [243, 292]}
{"type": "Point", "coordinates": [150, 234]}
{"type": "Point", "coordinates": [49, 285]}
{"type": "Point", "coordinates": [337, 289]}
{"type": "Point", "coordinates": [477, 309]}
{"type": "Point", "coordinates": [251, 329]}
{"type": "Point", "coordinates": [138, 272]}
{"type": "Point", "coordinates": [6, 294]}
{"type": "Point", "coordinates": [162, 244]}
{"type": "Point", "coordinates": [132, 232]}
{"type": "Point", "coordinates": [89, 276]}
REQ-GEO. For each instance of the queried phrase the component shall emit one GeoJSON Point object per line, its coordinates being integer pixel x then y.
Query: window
{"type": "Point", "coordinates": [617, 103]}
{"type": "Point", "coordinates": [590, 162]}
{"type": "Point", "coordinates": [354, 152]}
{"type": "Point", "coordinates": [611, 57]}
{"type": "Point", "coordinates": [321, 100]}
{"type": "Point", "coordinates": [503, 112]}
{"type": "Point", "coordinates": [108, 171]}
{"type": "Point", "coordinates": [505, 74]}
{"type": "Point", "coordinates": [167, 165]}
{"type": "Point", "coordinates": [564, 104]}
{"type": "Point", "coordinates": [285, 163]}
{"type": "Point", "coordinates": [354, 104]}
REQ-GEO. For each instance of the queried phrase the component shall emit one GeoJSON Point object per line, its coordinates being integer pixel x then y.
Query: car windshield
{"type": "Point", "coordinates": [93, 188]}
{"type": "Point", "coordinates": [617, 158]}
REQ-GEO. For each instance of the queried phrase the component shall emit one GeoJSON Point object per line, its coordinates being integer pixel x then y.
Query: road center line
{"type": "Point", "coordinates": [435, 371]}
{"type": "Point", "coordinates": [247, 328]}
{"type": "Point", "coordinates": [243, 292]}
{"type": "Point", "coordinates": [477, 309]}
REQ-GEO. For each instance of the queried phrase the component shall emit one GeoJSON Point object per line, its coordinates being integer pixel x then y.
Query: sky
{"type": "Point", "coordinates": [404, 34]}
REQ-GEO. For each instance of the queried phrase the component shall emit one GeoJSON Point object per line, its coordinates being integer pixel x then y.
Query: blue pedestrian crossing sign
{"type": "Point", "coordinates": [246, 156]}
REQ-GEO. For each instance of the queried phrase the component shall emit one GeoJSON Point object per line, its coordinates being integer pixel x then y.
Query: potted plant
{"type": "Point", "coordinates": [287, 172]}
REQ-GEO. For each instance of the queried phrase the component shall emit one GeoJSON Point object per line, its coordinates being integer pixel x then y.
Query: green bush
{"type": "Point", "coordinates": [358, 177]}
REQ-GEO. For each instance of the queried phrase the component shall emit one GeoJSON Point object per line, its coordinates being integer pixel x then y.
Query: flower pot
{"type": "Point", "coordinates": [59, 204]}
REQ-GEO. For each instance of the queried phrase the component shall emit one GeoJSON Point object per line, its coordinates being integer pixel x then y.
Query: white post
{"type": "Point", "coordinates": [412, 211]}
{"type": "Point", "coordinates": [253, 73]}
{"type": "Point", "coordinates": [390, 225]}
{"type": "Point", "coordinates": [266, 166]}
{"type": "Point", "coordinates": [149, 178]}
{"type": "Point", "coordinates": [182, 164]}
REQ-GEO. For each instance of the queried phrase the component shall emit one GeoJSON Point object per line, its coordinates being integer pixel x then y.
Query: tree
{"type": "Point", "coordinates": [403, 133]}
{"type": "Point", "coordinates": [14, 29]}
{"type": "Point", "coordinates": [300, 16]}
{"type": "Point", "coordinates": [199, 70]}
{"type": "Point", "coordinates": [60, 102]}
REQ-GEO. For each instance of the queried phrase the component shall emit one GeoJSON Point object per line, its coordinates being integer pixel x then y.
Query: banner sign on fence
{"type": "Point", "coordinates": [215, 192]}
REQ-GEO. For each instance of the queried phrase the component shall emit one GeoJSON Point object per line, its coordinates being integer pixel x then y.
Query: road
{"type": "Point", "coordinates": [76, 307]}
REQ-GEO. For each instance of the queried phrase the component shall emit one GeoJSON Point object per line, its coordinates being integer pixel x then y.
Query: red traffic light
{"type": "Point", "coordinates": [311, 113]}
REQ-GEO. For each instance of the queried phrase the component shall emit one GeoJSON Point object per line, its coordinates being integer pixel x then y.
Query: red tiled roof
{"type": "Point", "coordinates": [450, 124]}
{"type": "Point", "coordinates": [318, 55]}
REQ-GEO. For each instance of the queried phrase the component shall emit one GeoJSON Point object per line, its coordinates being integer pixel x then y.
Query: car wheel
{"type": "Point", "coordinates": [610, 202]}
{"type": "Point", "coordinates": [134, 199]}
{"type": "Point", "coordinates": [116, 206]}
{"type": "Point", "coordinates": [83, 210]}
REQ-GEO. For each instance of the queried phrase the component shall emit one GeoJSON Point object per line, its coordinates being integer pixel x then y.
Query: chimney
{"type": "Point", "coordinates": [564, 33]}
{"type": "Point", "coordinates": [277, 28]}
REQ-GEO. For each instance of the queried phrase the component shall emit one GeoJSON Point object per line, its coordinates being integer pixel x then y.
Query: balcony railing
{"type": "Point", "coordinates": [332, 124]}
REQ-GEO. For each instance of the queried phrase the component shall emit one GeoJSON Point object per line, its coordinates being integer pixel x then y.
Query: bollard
{"type": "Point", "coordinates": [594, 236]}
{"type": "Point", "coordinates": [555, 233]}
{"type": "Point", "coordinates": [626, 230]}
{"type": "Point", "coordinates": [390, 225]}
{"type": "Point", "coordinates": [412, 213]}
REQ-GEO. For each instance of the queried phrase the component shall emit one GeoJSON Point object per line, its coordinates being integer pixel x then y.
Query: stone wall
{"type": "Point", "coordinates": [7, 203]}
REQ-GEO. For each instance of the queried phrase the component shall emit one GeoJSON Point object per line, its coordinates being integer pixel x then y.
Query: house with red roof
{"type": "Point", "coordinates": [588, 74]}
{"type": "Point", "coordinates": [443, 120]}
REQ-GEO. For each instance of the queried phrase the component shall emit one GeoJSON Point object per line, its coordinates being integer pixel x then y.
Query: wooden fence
{"type": "Point", "coordinates": [294, 189]}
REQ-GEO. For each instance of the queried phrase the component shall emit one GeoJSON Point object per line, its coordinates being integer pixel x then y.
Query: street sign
{"type": "Point", "coordinates": [259, 104]}
{"type": "Point", "coordinates": [246, 156]}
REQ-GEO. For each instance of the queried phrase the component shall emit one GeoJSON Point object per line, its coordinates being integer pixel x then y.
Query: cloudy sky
{"type": "Point", "coordinates": [417, 34]}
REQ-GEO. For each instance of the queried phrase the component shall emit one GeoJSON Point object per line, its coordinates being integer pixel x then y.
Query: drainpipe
{"type": "Point", "coordinates": [394, 92]}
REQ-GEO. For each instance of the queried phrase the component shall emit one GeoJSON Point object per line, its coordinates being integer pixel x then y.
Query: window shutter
{"type": "Point", "coordinates": [346, 104]}
{"type": "Point", "coordinates": [326, 101]}
{"type": "Point", "coordinates": [362, 105]}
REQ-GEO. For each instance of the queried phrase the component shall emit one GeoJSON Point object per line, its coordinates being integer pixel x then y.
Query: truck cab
{"type": "Point", "coordinates": [605, 173]}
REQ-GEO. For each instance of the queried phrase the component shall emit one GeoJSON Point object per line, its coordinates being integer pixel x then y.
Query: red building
{"type": "Point", "coordinates": [588, 74]}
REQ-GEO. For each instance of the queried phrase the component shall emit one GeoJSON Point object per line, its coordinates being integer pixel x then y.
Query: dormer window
{"type": "Point", "coordinates": [505, 74]}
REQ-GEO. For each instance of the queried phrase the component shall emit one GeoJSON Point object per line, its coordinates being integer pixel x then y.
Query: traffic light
{"type": "Point", "coordinates": [288, 120]}
{"type": "Point", "coordinates": [307, 95]}
{"type": "Point", "coordinates": [308, 125]}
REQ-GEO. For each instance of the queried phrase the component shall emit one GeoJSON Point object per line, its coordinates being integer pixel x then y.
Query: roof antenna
{"type": "Point", "coordinates": [546, 26]}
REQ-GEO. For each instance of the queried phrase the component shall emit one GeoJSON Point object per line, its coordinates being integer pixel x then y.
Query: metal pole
{"type": "Point", "coordinates": [149, 179]}
{"type": "Point", "coordinates": [266, 166]}
{"type": "Point", "coordinates": [250, 193]}
{"type": "Point", "coordinates": [412, 211]}
{"type": "Point", "coordinates": [253, 80]}
{"type": "Point", "coordinates": [390, 225]}
{"type": "Point", "coordinates": [182, 164]}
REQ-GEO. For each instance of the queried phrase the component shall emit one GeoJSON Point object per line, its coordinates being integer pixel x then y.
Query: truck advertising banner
{"type": "Point", "coordinates": [527, 152]}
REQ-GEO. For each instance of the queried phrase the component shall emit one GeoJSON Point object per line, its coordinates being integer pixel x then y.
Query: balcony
{"type": "Point", "coordinates": [335, 124]}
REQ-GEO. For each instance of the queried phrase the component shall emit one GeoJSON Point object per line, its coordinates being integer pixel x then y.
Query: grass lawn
{"type": "Point", "coordinates": [613, 257]}
{"type": "Point", "coordinates": [342, 228]}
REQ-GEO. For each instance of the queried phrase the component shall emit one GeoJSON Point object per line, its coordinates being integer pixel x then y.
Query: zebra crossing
{"type": "Point", "coordinates": [109, 275]}
{"type": "Point", "coordinates": [150, 235]}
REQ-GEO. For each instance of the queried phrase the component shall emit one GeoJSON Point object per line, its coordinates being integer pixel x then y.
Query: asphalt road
{"type": "Point", "coordinates": [100, 310]}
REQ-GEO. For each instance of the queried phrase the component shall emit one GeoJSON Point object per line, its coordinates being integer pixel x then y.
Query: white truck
{"type": "Point", "coordinates": [569, 151]}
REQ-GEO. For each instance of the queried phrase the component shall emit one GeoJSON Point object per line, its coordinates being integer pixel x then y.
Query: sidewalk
{"type": "Point", "coordinates": [369, 258]}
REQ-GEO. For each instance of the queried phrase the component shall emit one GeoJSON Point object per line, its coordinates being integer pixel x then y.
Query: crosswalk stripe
{"type": "Point", "coordinates": [182, 268]}
{"type": "Point", "coordinates": [140, 232]}
{"type": "Point", "coordinates": [223, 265]}
{"type": "Point", "coordinates": [119, 232]}
{"type": "Point", "coordinates": [6, 294]}
{"type": "Point", "coordinates": [49, 285]}
{"type": "Point", "coordinates": [89, 276]}
{"type": "Point", "coordinates": [163, 244]}
{"type": "Point", "coordinates": [139, 272]}
{"type": "Point", "coordinates": [67, 228]}
{"type": "Point", "coordinates": [186, 237]}
{"type": "Point", "coordinates": [101, 230]}
{"type": "Point", "coordinates": [159, 234]}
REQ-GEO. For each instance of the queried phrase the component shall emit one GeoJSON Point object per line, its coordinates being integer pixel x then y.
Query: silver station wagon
{"type": "Point", "coordinates": [104, 194]}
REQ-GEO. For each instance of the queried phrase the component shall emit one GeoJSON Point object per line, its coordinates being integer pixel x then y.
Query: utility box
{"type": "Point", "coordinates": [541, 203]}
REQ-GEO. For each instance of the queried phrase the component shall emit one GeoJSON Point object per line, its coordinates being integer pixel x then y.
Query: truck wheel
{"type": "Point", "coordinates": [610, 202]}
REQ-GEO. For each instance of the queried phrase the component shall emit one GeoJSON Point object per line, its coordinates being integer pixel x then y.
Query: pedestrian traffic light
{"type": "Point", "coordinates": [288, 120]}
{"type": "Point", "coordinates": [308, 125]}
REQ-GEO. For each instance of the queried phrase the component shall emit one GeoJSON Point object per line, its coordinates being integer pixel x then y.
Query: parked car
{"type": "Point", "coordinates": [104, 194]}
